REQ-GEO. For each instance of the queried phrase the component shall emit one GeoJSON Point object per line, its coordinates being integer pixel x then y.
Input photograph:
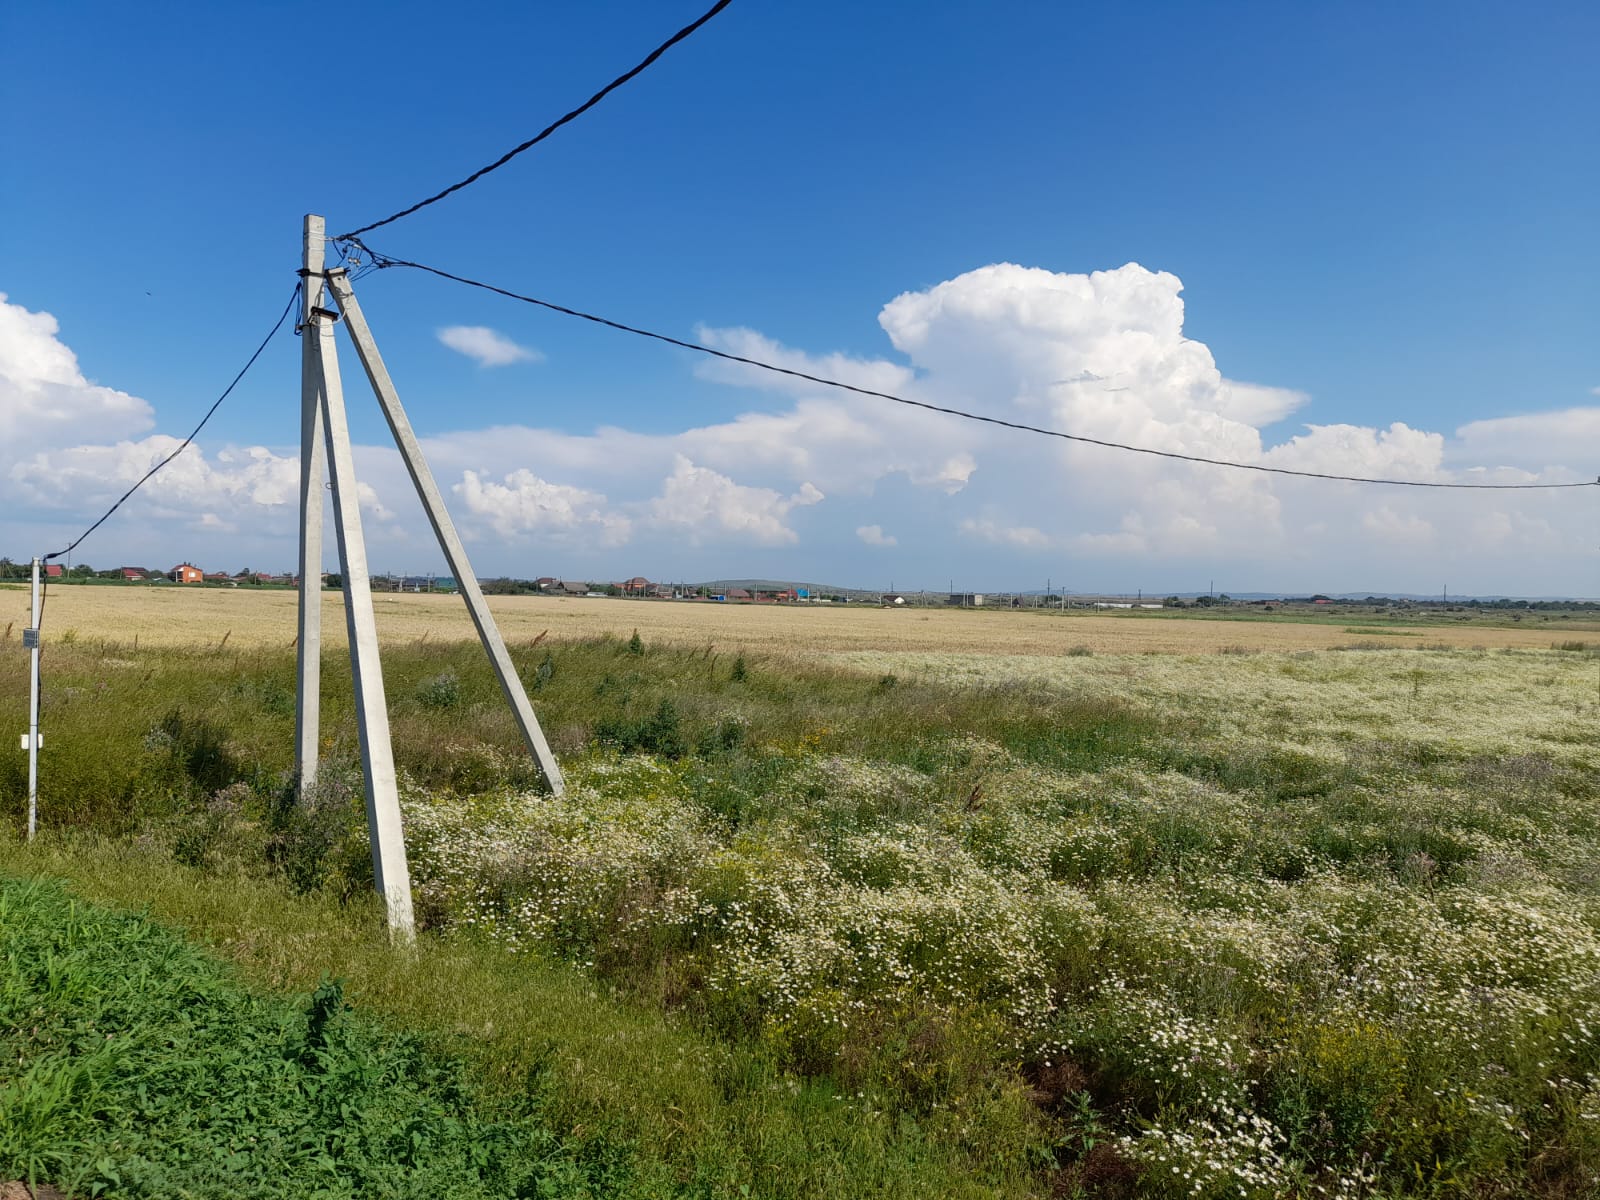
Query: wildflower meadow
{"type": "Point", "coordinates": [1316, 923]}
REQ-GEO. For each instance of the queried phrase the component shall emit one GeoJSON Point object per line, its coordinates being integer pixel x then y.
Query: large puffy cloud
{"type": "Point", "coordinates": [872, 374]}
{"type": "Point", "coordinates": [526, 504]}
{"type": "Point", "coordinates": [70, 447]}
{"type": "Point", "coordinates": [190, 482]}
{"type": "Point", "coordinates": [698, 501]}
{"type": "Point", "coordinates": [1103, 355]}
{"type": "Point", "coordinates": [44, 398]}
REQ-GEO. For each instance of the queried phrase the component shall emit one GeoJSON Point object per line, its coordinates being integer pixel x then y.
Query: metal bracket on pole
{"type": "Point", "coordinates": [390, 871]}
{"type": "Point", "coordinates": [444, 529]}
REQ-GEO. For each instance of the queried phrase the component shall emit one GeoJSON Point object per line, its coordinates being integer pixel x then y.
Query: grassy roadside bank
{"type": "Point", "coordinates": [635, 1104]}
{"type": "Point", "coordinates": [136, 1065]}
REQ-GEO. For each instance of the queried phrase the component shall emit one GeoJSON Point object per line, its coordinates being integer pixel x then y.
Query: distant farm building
{"type": "Point", "coordinates": [966, 599]}
{"type": "Point", "coordinates": [186, 573]}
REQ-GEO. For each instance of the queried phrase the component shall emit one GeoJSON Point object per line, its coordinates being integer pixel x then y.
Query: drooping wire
{"type": "Point", "coordinates": [384, 260]}
{"type": "Point", "coordinates": [217, 403]}
{"type": "Point", "coordinates": [649, 59]}
{"type": "Point", "coordinates": [44, 574]}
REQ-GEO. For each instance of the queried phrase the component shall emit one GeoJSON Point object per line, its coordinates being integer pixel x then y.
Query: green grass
{"type": "Point", "coordinates": [137, 1066]}
{"type": "Point", "coordinates": [631, 1095]}
{"type": "Point", "coordinates": [133, 735]}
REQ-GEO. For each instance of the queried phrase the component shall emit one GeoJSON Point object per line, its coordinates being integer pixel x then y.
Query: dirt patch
{"type": "Point", "coordinates": [16, 1190]}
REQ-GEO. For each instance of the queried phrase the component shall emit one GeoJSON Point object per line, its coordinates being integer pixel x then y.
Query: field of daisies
{"type": "Point", "coordinates": [1334, 933]}
{"type": "Point", "coordinates": [1320, 924]}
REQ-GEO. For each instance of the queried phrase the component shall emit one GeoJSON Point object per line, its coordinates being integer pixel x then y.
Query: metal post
{"type": "Point", "coordinates": [308, 643]}
{"type": "Point", "coordinates": [390, 872]}
{"type": "Point", "coordinates": [444, 529]}
{"type": "Point", "coordinates": [30, 638]}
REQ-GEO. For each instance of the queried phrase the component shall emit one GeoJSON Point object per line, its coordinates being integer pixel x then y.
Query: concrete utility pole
{"type": "Point", "coordinates": [30, 740]}
{"type": "Point", "coordinates": [390, 871]}
{"type": "Point", "coordinates": [308, 643]}
{"type": "Point", "coordinates": [324, 425]}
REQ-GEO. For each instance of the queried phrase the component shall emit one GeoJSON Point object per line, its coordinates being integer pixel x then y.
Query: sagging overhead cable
{"type": "Point", "coordinates": [215, 404]}
{"type": "Point", "coordinates": [384, 260]}
{"type": "Point", "coordinates": [672, 41]}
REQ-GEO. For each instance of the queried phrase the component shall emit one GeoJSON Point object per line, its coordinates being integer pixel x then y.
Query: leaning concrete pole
{"type": "Point", "coordinates": [308, 663]}
{"type": "Point", "coordinates": [444, 529]}
{"type": "Point", "coordinates": [390, 871]}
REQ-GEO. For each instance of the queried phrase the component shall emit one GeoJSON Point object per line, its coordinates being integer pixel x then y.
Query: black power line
{"type": "Point", "coordinates": [385, 261]}
{"type": "Point", "coordinates": [672, 41]}
{"type": "Point", "coordinates": [193, 434]}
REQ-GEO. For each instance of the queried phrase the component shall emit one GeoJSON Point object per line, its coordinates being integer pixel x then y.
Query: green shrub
{"type": "Point", "coordinates": [661, 732]}
{"type": "Point", "coordinates": [441, 692]}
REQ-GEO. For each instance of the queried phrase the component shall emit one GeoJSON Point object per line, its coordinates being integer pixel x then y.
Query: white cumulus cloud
{"type": "Point", "coordinates": [698, 501]}
{"type": "Point", "coordinates": [1101, 354]}
{"type": "Point", "coordinates": [86, 477]}
{"type": "Point", "coordinates": [45, 399]}
{"type": "Point", "coordinates": [486, 347]}
{"type": "Point", "coordinates": [523, 503]}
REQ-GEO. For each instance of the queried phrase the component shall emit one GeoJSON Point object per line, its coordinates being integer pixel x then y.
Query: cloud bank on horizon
{"type": "Point", "coordinates": [806, 483]}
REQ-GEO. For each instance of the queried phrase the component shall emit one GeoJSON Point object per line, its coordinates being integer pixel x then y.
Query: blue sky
{"type": "Point", "coordinates": [1382, 212]}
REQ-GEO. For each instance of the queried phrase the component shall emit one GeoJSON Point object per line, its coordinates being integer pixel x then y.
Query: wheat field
{"type": "Point", "coordinates": [249, 617]}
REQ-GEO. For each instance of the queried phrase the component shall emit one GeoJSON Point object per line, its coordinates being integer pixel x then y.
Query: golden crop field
{"type": "Point", "coordinates": [172, 616]}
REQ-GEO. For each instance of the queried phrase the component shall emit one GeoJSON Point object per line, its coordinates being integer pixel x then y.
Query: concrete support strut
{"type": "Point", "coordinates": [444, 529]}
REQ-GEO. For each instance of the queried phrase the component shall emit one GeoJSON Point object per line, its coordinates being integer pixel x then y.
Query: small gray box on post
{"type": "Point", "coordinates": [30, 639]}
